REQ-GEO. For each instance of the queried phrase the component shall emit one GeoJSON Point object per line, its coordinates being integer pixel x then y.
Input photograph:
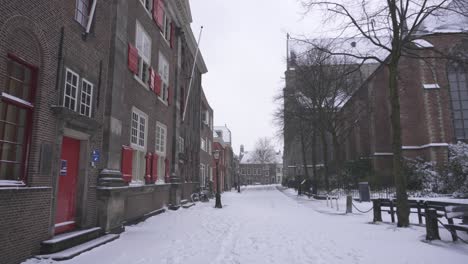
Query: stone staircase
{"type": "Point", "coordinates": [68, 245]}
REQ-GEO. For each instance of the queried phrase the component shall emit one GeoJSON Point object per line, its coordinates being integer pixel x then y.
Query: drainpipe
{"type": "Point", "coordinates": [91, 17]}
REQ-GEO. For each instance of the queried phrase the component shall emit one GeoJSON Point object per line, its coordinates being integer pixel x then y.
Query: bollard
{"type": "Point", "coordinates": [331, 202]}
{"type": "Point", "coordinates": [337, 207]}
{"type": "Point", "coordinates": [349, 204]}
{"type": "Point", "coordinates": [392, 211]}
{"type": "Point", "coordinates": [432, 227]}
{"type": "Point", "coordinates": [327, 200]}
{"type": "Point", "coordinates": [377, 210]}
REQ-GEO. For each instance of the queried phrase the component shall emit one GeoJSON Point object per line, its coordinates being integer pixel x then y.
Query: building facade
{"type": "Point", "coordinates": [252, 172]}
{"type": "Point", "coordinates": [53, 81]}
{"type": "Point", "coordinates": [223, 135]}
{"type": "Point", "coordinates": [100, 111]}
{"type": "Point", "coordinates": [206, 146]}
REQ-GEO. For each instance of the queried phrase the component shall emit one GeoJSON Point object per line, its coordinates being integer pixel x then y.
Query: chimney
{"type": "Point", "coordinates": [241, 148]}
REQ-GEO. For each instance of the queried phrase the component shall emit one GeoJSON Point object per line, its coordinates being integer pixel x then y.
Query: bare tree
{"type": "Point", "coordinates": [264, 152]}
{"type": "Point", "coordinates": [391, 27]}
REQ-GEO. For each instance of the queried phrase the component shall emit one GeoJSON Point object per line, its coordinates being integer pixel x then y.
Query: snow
{"type": "Point", "coordinates": [265, 225]}
{"type": "Point", "coordinates": [66, 236]}
{"type": "Point", "coordinates": [421, 43]}
{"type": "Point", "coordinates": [11, 183]}
{"type": "Point", "coordinates": [431, 86]}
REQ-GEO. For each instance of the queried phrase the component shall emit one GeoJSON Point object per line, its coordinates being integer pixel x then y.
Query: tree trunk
{"type": "Point", "coordinates": [315, 176]}
{"type": "Point", "coordinates": [325, 160]}
{"type": "Point", "coordinates": [398, 174]}
{"type": "Point", "coordinates": [337, 156]}
{"type": "Point", "coordinates": [304, 159]}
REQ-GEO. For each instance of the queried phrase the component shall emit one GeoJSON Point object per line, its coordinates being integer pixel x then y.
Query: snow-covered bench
{"type": "Point", "coordinates": [460, 211]}
{"type": "Point", "coordinates": [389, 206]}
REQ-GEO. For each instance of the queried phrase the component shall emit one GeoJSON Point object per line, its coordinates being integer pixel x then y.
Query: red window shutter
{"type": "Point", "coordinates": [157, 84]}
{"type": "Point", "coordinates": [169, 95]}
{"type": "Point", "coordinates": [148, 178]}
{"type": "Point", "coordinates": [158, 13]}
{"type": "Point", "coordinates": [132, 59]}
{"type": "Point", "coordinates": [126, 165]}
{"type": "Point", "coordinates": [172, 34]}
{"type": "Point", "coordinates": [167, 170]}
{"type": "Point", "coordinates": [154, 167]}
{"type": "Point", "coordinates": [151, 80]}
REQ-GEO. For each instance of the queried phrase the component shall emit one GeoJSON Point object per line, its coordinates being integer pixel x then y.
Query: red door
{"type": "Point", "coordinates": [68, 178]}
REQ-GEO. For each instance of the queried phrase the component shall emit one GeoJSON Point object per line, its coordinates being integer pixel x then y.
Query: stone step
{"type": "Point", "coordinates": [76, 250]}
{"type": "Point", "coordinates": [69, 240]}
{"type": "Point", "coordinates": [184, 202]}
{"type": "Point", "coordinates": [173, 207]}
{"type": "Point", "coordinates": [188, 205]}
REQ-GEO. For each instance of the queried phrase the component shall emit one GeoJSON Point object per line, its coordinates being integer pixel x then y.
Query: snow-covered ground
{"type": "Point", "coordinates": [265, 225]}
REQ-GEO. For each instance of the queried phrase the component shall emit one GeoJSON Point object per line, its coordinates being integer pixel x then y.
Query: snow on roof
{"type": "Point", "coordinates": [450, 20]}
{"type": "Point", "coordinates": [223, 132]}
{"type": "Point", "coordinates": [421, 43]}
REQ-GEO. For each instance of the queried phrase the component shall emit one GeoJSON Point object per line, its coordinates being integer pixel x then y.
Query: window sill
{"type": "Point", "coordinates": [162, 101]}
{"type": "Point", "coordinates": [141, 82]}
{"type": "Point", "coordinates": [9, 183]}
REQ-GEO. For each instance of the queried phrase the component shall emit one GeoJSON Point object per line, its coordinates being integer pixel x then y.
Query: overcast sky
{"type": "Point", "coordinates": [244, 47]}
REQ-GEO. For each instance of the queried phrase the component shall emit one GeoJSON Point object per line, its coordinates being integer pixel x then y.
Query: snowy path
{"type": "Point", "coordinates": [264, 225]}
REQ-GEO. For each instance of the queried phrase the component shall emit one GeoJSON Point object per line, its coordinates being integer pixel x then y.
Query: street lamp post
{"type": "Point", "coordinates": [238, 180]}
{"type": "Point", "coordinates": [218, 194]}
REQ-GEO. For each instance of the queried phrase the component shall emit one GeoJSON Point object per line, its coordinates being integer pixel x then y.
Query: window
{"type": "Point", "coordinates": [161, 135]}
{"type": "Point", "coordinates": [163, 71]}
{"type": "Point", "coordinates": [16, 110]}
{"type": "Point", "coordinates": [203, 144]}
{"type": "Point", "coordinates": [82, 12]}
{"type": "Point", "coordinates": [76, 99]}
{"type": "Point", "coordinates": [139, 130]}
{"type": "Point", "coordinates": [71, 90]}
{"type": "Point", "coordinates": [86, 98]}
{"type": "Point", "coordinates": [161, 139]}
{"type": "Point", "coordinates": [147, 4]}
{"type": "Point", "coordinates": [209, 147]}
{"type": "Point", "coordinates": [143, 45]}
{"type": "Point", "coordinates": [166, 29]}
{"type": "Point", "coordinates": [180, 145]}
{"type": "Point", "coordinates": [459, 97]}
{"type": "Point", "coordinates": [267, 173]}
{"type": "Point", "coordinates": [243, 171]}
{"type": "Point", "coordinates": [202, 175]}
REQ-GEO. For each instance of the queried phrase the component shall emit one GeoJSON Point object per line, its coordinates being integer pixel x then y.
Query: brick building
{"type": "Point", "coordinates": [152, 128]}
{"type": "Point", "coordinates": [433, 97]}
{"type": "Point", "coordinates": [53, 81]}
{"type": "Point", "coordinates": [223, 136]}
{"type": "Point", "coordinates": [253, 172]}
{"type": "Point", "coordinates": [93, 127]}
{"type": "Point", "coordinates": [206, 146]}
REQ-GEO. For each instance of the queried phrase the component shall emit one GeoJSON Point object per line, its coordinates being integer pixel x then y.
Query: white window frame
{"type": "Point", "coordinates": [164, 73]}
{"type": "Point", "coordinates": [166, 28]}
{"type": "Point", "coordinates": [137, 145]}
{"type": "Point", "coordinates": [83, 105]}
{"type": "Point", "coordinates": [203, 144]}
{"type": "Point", "coordinates": [181, 145]}
{"type": "Point", "coordinates": [82, 15]}
{"type": "Point", "coordinates": [148, 8]}
{"type": "Point", "coordinates": [143, 44]}
{"type": "Point", "coordinates": [161, 139]}
{"type": "Point", "coordinates": [76, 86]}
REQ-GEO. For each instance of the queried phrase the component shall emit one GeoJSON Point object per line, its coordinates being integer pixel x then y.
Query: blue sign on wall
{"type": "Point", "coordinates": [95, 156]}
{"type": "Point", "coordinates": [63, 168]}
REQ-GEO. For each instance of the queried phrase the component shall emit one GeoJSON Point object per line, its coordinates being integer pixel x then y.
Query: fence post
{"type": "Point", "coordinates": [377, 210]}
{"type": "Point", "coordinates": [432, 227]}
{"type": "Point", "coordinates": [392, 211]}
{"type": "Point", "coordinates": [337, 207]}
{"type": "Point", "coordinates": [331, 202]}
{"type": "Point", "coordinates": [349, 204]}
{"type": "Point", "coordinates": [419, 203]}
{"type": "Point", "coordinates": [327, 199]}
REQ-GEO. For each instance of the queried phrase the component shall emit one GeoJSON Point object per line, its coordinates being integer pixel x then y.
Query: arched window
{"type": "Point", "coordinates": [457, 77]}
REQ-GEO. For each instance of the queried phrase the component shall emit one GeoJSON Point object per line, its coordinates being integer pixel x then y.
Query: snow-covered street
{"type": "Point", "coordinates": [265, 225]}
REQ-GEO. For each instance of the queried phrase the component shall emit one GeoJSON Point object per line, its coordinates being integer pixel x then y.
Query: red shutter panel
{"type": "Point", "coordinates": [157, 84]}
{"type": "Point", "coordinates": [132, 59]}
{"type": "Point", "coordinates": [172, 34]}
{"type": "Point", "coordinates": [148, 160]}
{"type": "Point", "coordinates": [169, 95]}
{"type": "Point", "coordinates": [154, 168]}
{"type": "Point", "coordinates": [151, 79]}
{"type": "Point", "coordinates": [126, 165]}
{"type": "Point", "coordinates": [158, 13]}
{"type": "Point", "coordinates": [167, 170]}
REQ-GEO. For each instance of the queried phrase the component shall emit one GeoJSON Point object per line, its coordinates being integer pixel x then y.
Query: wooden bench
{"type": "Point", "coordinates": [391, 204]}
{"type": "Point", "coordinates": [456, 211]}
